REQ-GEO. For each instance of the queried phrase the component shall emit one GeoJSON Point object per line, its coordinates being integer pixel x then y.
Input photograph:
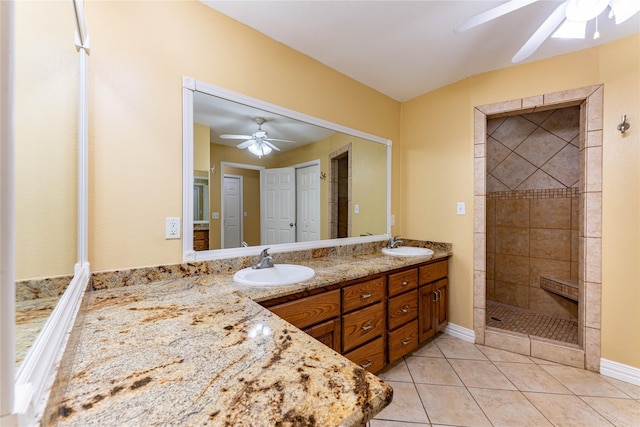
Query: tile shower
{"type": "Point", "coordinates": [532, 223]}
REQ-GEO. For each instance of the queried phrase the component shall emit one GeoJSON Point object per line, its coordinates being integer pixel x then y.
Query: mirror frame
{"type": "Point", "coordinates": [189, 86]}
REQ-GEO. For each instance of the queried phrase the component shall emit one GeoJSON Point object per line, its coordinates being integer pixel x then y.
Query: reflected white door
{"type": "Point", "coordinates": [308, 203]}
{"type": "Point", "coordinates": [278, 206]}
{"type": "Point", "coordinates": [232, 212]}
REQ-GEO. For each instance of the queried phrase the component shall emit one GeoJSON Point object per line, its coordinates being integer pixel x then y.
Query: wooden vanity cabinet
{"type": "Point", "coordinates": [200, 240]}
{"type": "Point", "coordinates": [373, 321]}
{"type": "Point", "coordinates": [433, 299]}
{"type": "Point", "coordinates": [318, 315]}
{"type": "Point", "coordinates": [402, 313]}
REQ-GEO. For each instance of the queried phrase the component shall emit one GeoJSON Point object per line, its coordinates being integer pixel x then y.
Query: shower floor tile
{"type": "Point", "coordinates": [531, 322]}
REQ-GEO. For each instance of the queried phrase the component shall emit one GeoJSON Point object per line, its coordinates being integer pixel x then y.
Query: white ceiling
{"type": "Point", "coordinates": [406, 48]}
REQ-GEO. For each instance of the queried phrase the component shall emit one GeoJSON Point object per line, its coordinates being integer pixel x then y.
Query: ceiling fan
{"type": "Point", "coordinates": [569, 18]}
{"type": "Point", "coordinates": [259, 142]}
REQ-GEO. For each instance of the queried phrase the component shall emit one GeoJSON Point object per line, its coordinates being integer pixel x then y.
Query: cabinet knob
{"type": "Point", "coordinates": [405, 282]}
{"type": "Point", "coordinates": [366, 364]}
{"type": "Point", "coordinates": [406, 341]}
{"type": "Point", "coordinates": [405, 308]}
{"type": "Point", "coordinates": [367, 326]}
{"type": "Point", "coordinates": [365, 296]}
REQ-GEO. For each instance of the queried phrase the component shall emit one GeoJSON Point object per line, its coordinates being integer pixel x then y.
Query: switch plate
{"type": "Point", "coordinates": [356, 209]}
{"type": "Point", "coordinates": [172, 228]}
{"type": "Point", "coordinates": [460, 208]}
{"type": "Point", "coordinates": [215, 215]}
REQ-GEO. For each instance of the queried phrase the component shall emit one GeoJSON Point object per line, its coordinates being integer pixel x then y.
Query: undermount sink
{"type": "Point", "coordinates": [278, 275]}
{"type": "Point", "coordinates": [407, 251]}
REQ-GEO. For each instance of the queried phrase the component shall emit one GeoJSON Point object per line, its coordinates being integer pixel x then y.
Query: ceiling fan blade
{"type": "Point", "coordinates": [490, 14]}
{"type": "Point", "coordinates": [546, 29]}
{"type": "Point", "coordinates": [245, 144]}
{"type": "Point", "coordinates": [624, 9]}
{"type": "Point", "coordinates": [271, 145]}
{"type": "Point", "coordinates": [228, 136]}
{"type": "Point", "coordinates": [279, 140]}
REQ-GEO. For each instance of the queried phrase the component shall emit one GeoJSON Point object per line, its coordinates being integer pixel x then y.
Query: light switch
{"type": "Point", "coordinates": [215, 215]}
{"type": "Point", "coordinates": [356, 209]}
{"type": "Point", "coordinates": [460, 208]}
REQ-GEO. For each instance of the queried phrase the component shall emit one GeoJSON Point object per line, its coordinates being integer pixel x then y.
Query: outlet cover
{"type": "Point", "coordinates": [172, 228]}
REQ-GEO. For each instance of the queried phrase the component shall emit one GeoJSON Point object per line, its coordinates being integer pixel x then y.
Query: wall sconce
{"type": "Point", "coordinates": [624, 126]}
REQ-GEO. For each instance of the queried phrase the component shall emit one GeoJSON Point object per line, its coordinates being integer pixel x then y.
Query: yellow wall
{"type": "Point", "coordinates": [437, 172]}
{"type": "Point", "coordinates": [46, 93]}
{"type": "Point", "coordinates": [201, 147]}
{"type": "Point", "coordinates": [136, 102]}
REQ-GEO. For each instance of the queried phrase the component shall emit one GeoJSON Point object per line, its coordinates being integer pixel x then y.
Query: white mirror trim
{"type": "Point", "coordinates": [190, 85]}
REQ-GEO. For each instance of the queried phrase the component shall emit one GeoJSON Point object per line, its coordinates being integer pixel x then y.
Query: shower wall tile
{"type": "Point", "coordinates": [491, 265]}
{"type": "Point", "coordinates": [575, 213]}
{"type": "Point", "coordinates": [512, 241]}
{"type": "Point", "coordinates": [513, 131]}
{"type": "Point", "coordinates": [550, 268]}
{"type": "Point", "coordinates": [594, 138]}
{"type": "Point", "coordinates": [550, 244]}
{"type": "Point", "coordinates": [592, 296]}
{"type": "Point", "coordinates": [562, 122]}
{"type": "Point", "coordinates": [593, 180]}
{"type": "Point", "coordinates": [540, 146]}
{"type": "Point", "coordinates": [552, 304]}
{"type": "Point", "coordinates": [551, 213]}
{"type": "Point", "coordinates": [575, 254]}
{"type": "Point", "coordinates": [540, 179]}
{"type": "Point", "coordinates": [496, 153]}
{"type": "Point", "coordinates": [564, 166]}
{"type": "Point", "coordinates": [513, 171]}
{"type": "Point", "coordinates": [593, 208]}
{"type": "Point", "coordinates": [512, 294]}
{"type": "Point", "coordinates": [548, 350]}
{"type": "Point", "coordinates": [512, 212]}
{"type": "Point", "coordinates": [512, 269]}
{"type": "Point", "coordinates": [492, 124]}
{"type": "Point", "coordinates": [538, 117]}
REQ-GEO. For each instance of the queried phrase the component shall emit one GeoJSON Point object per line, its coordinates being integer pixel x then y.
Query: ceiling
{"type": "Point", "coordinates": [406, 48]}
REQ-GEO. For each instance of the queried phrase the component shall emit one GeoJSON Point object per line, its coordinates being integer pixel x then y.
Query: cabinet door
{"type": "Point", "coordinates": [427, 327]}
{"type": "Point", "coordinates": [441, 314]}
{"type": "Point", "coordinates": [328, 333]}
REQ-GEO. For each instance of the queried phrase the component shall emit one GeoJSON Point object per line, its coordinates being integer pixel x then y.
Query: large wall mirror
{"type": "Point", "coordinates": [258, 175]}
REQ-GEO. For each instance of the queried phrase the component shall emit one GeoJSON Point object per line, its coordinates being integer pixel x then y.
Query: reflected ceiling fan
{"type": "Point", "coordinates": [259, 143]}
{"type": "Point", "coordinates": [569, 18]}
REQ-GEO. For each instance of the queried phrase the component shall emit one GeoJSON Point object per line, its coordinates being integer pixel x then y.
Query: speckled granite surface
{"type": "Point", "coordinates": [197, 350]}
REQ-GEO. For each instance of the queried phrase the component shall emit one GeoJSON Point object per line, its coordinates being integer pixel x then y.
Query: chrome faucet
{"type": "Point", "coordinates": [394, 242]}
{"type": "Point", "coordinates": [265, 261]}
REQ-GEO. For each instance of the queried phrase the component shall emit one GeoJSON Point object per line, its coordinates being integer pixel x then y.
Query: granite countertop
{"type": "Point", "coordinates": [200, 350]}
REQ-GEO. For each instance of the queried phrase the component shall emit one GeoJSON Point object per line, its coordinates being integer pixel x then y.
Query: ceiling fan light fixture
{"type": "Point", "coordinates": [259, 149]}
{"type": "Point", "coordinates": [585, 10]}
{"type": "Point", "coordinates": [571, 30]}
{"type": "Point", "coordinates": [624, 9]}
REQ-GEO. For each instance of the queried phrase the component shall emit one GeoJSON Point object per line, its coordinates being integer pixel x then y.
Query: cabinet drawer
{"type": "Point", "coordinates": [362, 325]}
{"type": "Point", "coordinates": [435, 271]}
{"type": "Point", "coordinates": [310, 310]}
{"type": "Point", "coordinates": [402, 309]}
{"type": "Point", "coordinates": [403, 281]}
{"type": "Point", "coordinates": [362, 294]}
{"type": "Point", "coordinates": [403, 340]}
{"type": "Point", "coordinates": [369, 356]}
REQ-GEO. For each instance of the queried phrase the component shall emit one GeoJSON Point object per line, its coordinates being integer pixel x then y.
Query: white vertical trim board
{"type": "Point", "coordinates": [619, 371]}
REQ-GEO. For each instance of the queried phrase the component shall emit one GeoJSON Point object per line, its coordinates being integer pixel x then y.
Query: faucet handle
{"type": "Point", "coordinates": [264, 253]}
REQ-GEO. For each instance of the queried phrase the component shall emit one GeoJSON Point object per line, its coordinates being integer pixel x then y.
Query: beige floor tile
{"type": "Point", "coordinates": [428, 349]}
{"type": "Point", "coordinates": [631, 390]}
{"type": "Point", "coordinates": [527, 377]}
{"type": "Point", "coordinates": [497, 355]}
{"type": "Point", "coordinates": [566, 410]}
{"type": "Point", "coordinates": [543, 362]}
{"type": "Point", "coordinates": [385, 423]}
{"type": "Point", "coordinates": [480, 374]}
{"type": "Point", "coordinates": [406, 405]}
{"type": "Point", "coordinates": [621, 412]}
{"type": "Point", "coordinates": [458, 349]}
{"type": "Point", "coordinates": [427, 370]}
{"type": "Point", "coordinates": [451, 405]}
{"type": "Point", "coordinates": [397, 371]}
{"type": "Point", "coordinates": [508, 408]}
{"type": "Point", "coordinates": [582, 382]}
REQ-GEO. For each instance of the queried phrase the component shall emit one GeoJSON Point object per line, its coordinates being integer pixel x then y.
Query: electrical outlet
{"type": "Point", "coordinates": [172, 228]}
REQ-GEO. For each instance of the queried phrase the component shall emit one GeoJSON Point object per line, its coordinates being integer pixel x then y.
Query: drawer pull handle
{"type": "Point", "coordinates": [406, 341]}
{"type": "Point", "coordinates": [435, 295]}
{"type": "Point", "coordinates": [405, 282]}
{"type": "Point", "coordinates": [365, 296]}
{"type": "Point", "coordinates": [367, 326]}
{"type": "Point", "coordinates": [405, 308]}
{"type": "Point", "coordinates": [366, 364]}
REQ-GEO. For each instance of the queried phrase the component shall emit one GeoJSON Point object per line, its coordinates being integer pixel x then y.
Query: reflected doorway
{"type": "Point", "coordinates": [340, 193]}
{"type": "Point", "coordinates": [232, 211]}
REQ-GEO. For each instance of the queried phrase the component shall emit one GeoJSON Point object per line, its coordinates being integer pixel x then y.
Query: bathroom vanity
{"type": "Point", "coordinates": [184, 344]}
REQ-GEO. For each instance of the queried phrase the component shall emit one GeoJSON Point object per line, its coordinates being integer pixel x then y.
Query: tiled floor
{"type": "Point", "coordinates": [531, 322]}
{"type": "Point", "coordinates": [450, 382]}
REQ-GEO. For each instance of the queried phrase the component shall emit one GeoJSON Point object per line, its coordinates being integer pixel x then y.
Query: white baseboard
{"type": "Point", "coordinates": [464, 334]}
{"type": "Point", "coordinates": [619, 371]}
